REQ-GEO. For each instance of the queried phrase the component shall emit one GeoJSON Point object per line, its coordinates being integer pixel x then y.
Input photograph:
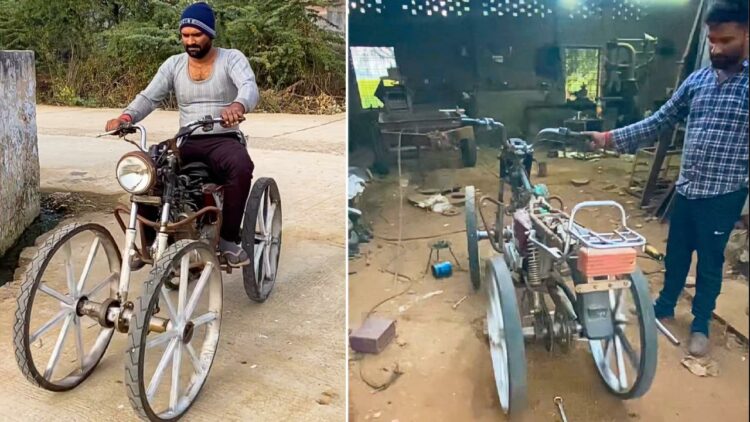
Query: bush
{"type": "Point", "coordinates": [102, 53]}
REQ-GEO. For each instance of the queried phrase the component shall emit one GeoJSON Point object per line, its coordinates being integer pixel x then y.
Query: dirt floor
{"type": "Point", "coordinates": [275, 360]}
{"type": "Point", "coordinates": [443, 353]}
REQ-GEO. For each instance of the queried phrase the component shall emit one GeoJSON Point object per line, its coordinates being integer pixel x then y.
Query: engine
{"type": "Point", "coordinates": [193, 192]}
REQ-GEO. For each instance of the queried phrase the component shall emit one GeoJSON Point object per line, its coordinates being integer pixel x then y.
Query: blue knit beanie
{"type": "Point", "coordinates": [199, 16]}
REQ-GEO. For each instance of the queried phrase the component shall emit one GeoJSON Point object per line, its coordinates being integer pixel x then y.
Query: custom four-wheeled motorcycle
{"type": "Point", "coordinates": [69, 309]}
{"type": "Point", "coordinates": [555, 281]}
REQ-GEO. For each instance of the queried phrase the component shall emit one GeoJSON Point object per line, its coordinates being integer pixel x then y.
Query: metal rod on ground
{"type": "Point", "coordinates": [455, 305]}
{"type": "Point", "coordinates": [668, 334]}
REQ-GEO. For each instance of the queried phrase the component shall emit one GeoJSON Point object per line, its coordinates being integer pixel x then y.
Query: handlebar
{"type": "Point", "coordinates": [207, 123]}
{"type": "Point", "coordinates": [125, 129]}
{"type": "Point", "coordinates": [485, 121]}
{"type": "Point", "coordinates": [128, 128]}
{"type": "Point", "coordinates": [559, 135]}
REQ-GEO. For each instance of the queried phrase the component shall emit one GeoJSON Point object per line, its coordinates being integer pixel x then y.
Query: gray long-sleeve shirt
{"type": "Point", "coordinates": [231, 80]}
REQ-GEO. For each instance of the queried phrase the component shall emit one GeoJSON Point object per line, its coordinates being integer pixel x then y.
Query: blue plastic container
{"type": "Point", "coordinates": [442, 269]}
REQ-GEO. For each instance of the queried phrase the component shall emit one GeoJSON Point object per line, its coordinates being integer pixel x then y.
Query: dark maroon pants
{"type": "Point", "coordinates": [231, 167]}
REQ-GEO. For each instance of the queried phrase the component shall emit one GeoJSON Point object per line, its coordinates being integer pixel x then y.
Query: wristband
{"type": "Point", "coordinates": [128, 118]}
{"type": "Point", "coordinates": [608, 138]}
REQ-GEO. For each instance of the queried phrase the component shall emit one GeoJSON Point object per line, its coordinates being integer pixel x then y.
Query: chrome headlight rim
{"type": "Point", "coordinates": [148, 172]}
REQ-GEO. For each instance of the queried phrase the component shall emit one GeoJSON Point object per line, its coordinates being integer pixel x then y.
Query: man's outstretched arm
{"type": "Point", "coordinates": [626, 139]}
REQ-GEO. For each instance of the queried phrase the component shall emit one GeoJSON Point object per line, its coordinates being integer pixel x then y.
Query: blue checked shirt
{"type": "Point", "coordinates": [715, 150]}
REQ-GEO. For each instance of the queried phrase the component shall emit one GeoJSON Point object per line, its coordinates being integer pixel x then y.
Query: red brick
{"type": "Point", "coordinates": [373, 336]}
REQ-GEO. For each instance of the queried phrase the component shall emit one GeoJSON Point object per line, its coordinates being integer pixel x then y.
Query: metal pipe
{"type": "Point", "coordinates": [668, 334]}
{"type": "Point", "coordinates": [632, 54]}
{"type": "Point", "coordinates": [124, 284]}
{"type": "Point", "coordinates": [143, 136]}
{"type": "Point", "coordinates": [172, 226]}
{"type": "Point", "coordinates": [133, 215]}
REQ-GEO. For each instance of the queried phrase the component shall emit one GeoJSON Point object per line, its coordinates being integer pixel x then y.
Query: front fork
{"type": "Point", "coordinates": [129, 248]}
{"type": "Point", "coordinates": [118, 312]}
{"type": "Point", "coordinates": [127, 253]}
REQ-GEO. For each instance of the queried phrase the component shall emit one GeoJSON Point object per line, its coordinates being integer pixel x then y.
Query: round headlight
{"type": "Point", "coordinates": [135, 173]}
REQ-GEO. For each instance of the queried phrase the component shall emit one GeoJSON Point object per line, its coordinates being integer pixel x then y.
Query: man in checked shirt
{"type": "Point", "coordinates": [712, 185]}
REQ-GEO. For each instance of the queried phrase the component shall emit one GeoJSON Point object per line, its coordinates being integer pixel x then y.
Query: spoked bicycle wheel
{"type": "Point", "coordinates": [261, 238]}
{"type": "Point", "coordinates": [175, 331]}
{"type": "Point", "coordinates": [626, 361]}
{"type": "Point", "coordinates": [472, 237]}
{"type": "Point", "coordinates": [507, 346]}
{"type": "Point", "coordinates": [57, 346]}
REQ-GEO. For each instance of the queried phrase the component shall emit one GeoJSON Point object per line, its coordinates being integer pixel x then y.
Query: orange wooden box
{"type": "Point", "coordinates": [600, 262]}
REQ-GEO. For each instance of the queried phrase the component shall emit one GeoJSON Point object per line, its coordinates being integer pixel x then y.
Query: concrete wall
{"type": "Point", "coordinates": [19, 156]}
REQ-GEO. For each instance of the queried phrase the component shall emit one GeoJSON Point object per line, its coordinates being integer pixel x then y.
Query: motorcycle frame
{"type": "Point", "coordinates": [163, 226]}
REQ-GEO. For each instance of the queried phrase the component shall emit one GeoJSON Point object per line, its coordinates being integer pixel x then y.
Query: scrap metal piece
{"type": "Point", "coordinates": [559, 403]}
{"type": "Point", "coordinates": [668, 334]}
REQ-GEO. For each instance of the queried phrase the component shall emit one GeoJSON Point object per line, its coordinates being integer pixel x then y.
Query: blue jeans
{"type": "Point", "coordinates": [701, 225]}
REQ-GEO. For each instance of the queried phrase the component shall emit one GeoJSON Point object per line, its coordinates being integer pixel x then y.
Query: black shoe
{"type": "Point", "coordinates": [236, 259]}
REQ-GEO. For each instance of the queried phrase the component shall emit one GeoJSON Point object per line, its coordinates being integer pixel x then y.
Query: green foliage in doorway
{"type": "Point", "coordinates": [103, 52]}
{"type": "Point", "coordinates": [582, 70]}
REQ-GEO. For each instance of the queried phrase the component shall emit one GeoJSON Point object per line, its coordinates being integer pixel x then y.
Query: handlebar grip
{"type": "Point", "coordinates": [126, 128]}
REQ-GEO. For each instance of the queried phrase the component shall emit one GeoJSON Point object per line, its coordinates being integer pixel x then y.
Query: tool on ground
{"type": "Point", "coordinates": [668, 334]}
{"type": "Point", "coordinates": [455, 305]}
{"type": "Point", "coordinates": [654, 253]}
{"type": "Point", "coordinates": [559, 402]}
{"type": "Point", "coordinates": [651, 251]}
{"type": "Point", "coordinates": [436, 248]}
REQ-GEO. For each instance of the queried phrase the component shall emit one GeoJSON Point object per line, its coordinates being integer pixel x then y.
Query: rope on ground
{"type": "Point", "coordinates": [396, 372]}
{"type": "Point", "coordinates": [400, 232]}
{"type": "Point", "coordinates": [398, 239]}
{"type": "Point", "coordinates": [404, 276]}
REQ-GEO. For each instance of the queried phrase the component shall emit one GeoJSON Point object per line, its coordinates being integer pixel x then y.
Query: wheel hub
{"type": "Point", "coordinates": [80, 303]}
{"type": "Point", "coordinates": [187, 332]}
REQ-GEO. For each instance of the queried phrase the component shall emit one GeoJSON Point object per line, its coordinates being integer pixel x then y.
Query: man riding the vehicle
{"type": "Point", "coordinates": [207, 81]}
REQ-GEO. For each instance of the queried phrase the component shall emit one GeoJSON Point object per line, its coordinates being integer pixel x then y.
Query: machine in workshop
{"type": "Point", "coordinates": [626, 64]}
{"type": "Point", "coordinates": [402, 129]}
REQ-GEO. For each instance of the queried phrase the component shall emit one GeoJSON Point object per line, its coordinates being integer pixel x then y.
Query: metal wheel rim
{"type": "Point", "coordinates": [616, 355]}
{"type": "Point", "coordinates": [498, 345]}
{"type": "Point", "coordinates": [472, 237]}
{"type": "Point", "coordinates": [178, 349]}
{"type": "Point", "coordinates": [67, 316]}
{"type": "Point", "coordinates": [267, 240]}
